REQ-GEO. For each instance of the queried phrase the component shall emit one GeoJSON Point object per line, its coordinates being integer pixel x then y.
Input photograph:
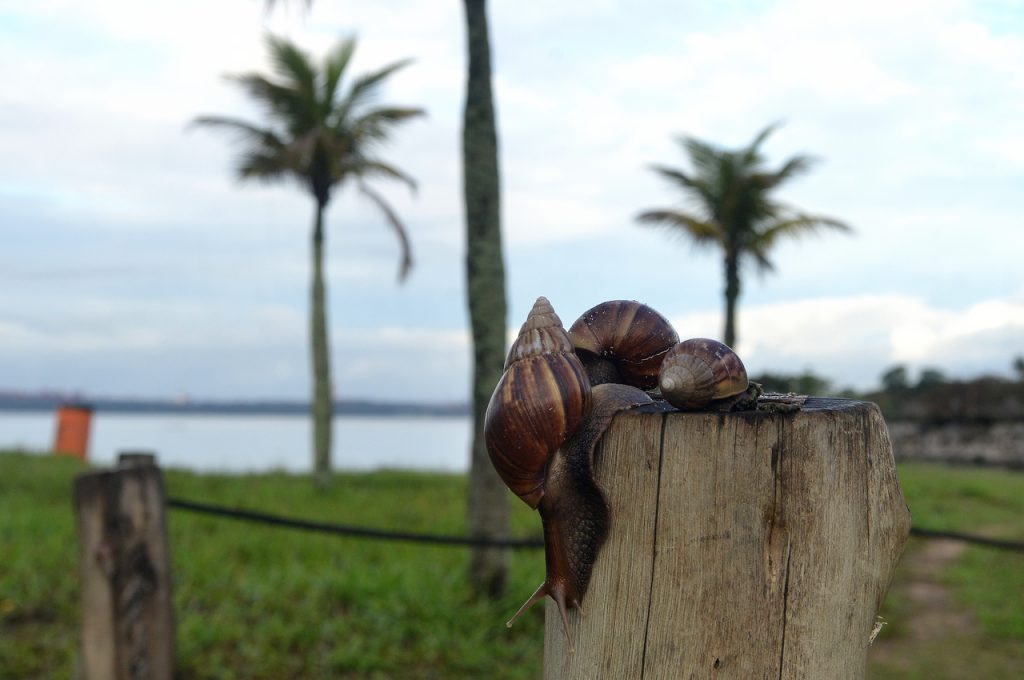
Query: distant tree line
{"type": "Point", "coordinates": [895, 380]}
{"type": "Point", "coordinates": [930, 397]}
{"type": "Point", "coordinates": [799, 383]}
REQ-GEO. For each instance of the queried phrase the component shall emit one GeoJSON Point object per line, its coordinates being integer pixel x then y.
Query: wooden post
{"type": "Point", "coordinates": [742, 545]}
{"type": "Point", "coordinates": [136, 458]}
{"type": "Point", "coordinates": [127, 620]}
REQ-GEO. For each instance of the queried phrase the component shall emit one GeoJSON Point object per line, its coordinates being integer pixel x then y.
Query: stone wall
{"type": "Point", "coordinates": [996, 443]}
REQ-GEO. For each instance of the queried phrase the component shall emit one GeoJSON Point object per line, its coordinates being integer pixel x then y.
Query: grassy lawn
{"type": "Point", "coordinates": [978, 632]}
{"type": "Point", "coordinates": [258, 602]}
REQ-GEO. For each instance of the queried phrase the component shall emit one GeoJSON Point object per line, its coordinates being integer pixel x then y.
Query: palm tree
{"type": "Point", "coordinates": [735, 211]}
{"type": "Point", "coordinates": [488, 510]}
{"type": "Point", "coordinates": [321, 135]}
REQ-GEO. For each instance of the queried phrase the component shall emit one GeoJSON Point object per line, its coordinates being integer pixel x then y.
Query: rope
{"type": "Point", "coordinates": [348, 530]}
{"type": "Point", "coordinates": [523, 543]}
{"type": "Point", "coordinates": [968, 538]}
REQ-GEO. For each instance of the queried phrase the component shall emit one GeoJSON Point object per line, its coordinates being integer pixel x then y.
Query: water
{"type": "Point", "coordinates": [240, 443]}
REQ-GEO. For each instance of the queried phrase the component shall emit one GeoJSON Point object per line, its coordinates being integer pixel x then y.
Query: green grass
{"type": "Point", "coordinates": [257, 602]}
{"type": "Point", "coordinates": [986, 585]}
{"type": "Point", "coordinates": [964, 499]}
{"type": "Point", "coordinates": [989, 502]}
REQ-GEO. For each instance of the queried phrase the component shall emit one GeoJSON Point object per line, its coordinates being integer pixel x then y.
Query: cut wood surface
{"type": "Point", "coordinates": [742, 545]}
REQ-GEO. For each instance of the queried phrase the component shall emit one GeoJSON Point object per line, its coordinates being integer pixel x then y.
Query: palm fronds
{"type": "Point", "coordinates": [731, 193]}
{"type": "Point", "coordinates": [319, 132]}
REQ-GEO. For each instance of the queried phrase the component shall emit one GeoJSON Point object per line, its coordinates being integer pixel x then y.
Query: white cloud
{"type": "Point", "coordinates": [962, 337]}
{"type": "Point", "coordinates": [852, 340]}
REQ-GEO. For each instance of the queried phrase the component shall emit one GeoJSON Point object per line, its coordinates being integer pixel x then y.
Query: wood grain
{"type": "Point", "coordinates": [124, 566]}
{"type": "Point", "coordinates": [743, 545]}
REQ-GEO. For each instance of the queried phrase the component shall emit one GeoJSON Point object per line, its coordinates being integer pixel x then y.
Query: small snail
{"type": "Point", "coordinates": [538, 403]}
{"type": "Point", "coordinates": [541, 426]}
{"type": "Point", "coordinates": [698, 371]}
{"type": "Point", "coordinates": [623, 341]}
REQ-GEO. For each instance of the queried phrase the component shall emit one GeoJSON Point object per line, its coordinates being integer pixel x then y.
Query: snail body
{"type": "Point", "coordinates": [699, 371]}
{"type": "Point", "coordinates": [574, 510]}
{"type": "Point", "coordinates": [623, 341]}
{"type": "Point", "coordinates": [538, 403]}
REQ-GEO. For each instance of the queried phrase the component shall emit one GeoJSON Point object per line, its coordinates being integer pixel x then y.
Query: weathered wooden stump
{"type": "Point", "coordinates": [127, 621]}
{"type": "Point", "coordinates": [742, 545]}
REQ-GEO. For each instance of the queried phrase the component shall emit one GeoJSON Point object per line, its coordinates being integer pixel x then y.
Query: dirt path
{"type": "Point", "coordinates": [933, 615]}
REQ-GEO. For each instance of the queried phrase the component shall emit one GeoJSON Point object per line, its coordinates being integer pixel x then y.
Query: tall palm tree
{"type": "Point", "coordinates": [731, 191]}
{"type": "Point", "coordinates": [488, 510]}
{"type": "Point", "coordinates": [320, 134]}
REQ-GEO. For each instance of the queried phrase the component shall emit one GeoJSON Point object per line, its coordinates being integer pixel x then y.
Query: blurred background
{"type": "Point", "coordinates": [139, 276]}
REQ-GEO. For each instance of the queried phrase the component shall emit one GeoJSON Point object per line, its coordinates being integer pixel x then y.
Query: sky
{"type": "Point", "coordinates": [134, 264]}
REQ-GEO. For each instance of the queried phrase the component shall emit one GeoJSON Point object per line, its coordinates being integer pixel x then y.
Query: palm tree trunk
{"type": "Point", "coordinates": [732, 294]}
{"type": "Point", "coordinates": [485, 290]}
{"type": "Point", "coordinates": [321, 406]}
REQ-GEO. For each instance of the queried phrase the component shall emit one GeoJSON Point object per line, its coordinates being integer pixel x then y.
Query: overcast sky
{"type": "Point", "coordinates": [133, 264]}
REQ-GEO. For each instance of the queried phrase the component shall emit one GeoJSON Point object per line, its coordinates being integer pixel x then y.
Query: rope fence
{"type": "Point", "coordinates": [465, 541]}
{"type": "Point", "coordinates": [349, 530]}
{"type": "Point", "coordinates": [973, 539]}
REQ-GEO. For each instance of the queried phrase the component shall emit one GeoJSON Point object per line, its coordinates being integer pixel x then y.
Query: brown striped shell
{"type": "Point", "coordinates": [538, 403]}
{"type": "Point", "coordinates": [623, 341]}
{"type": "Point", "coordinates": [698, 371]}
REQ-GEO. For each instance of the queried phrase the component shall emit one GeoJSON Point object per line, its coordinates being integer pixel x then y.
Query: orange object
{"type": "Point", "coordinates": [73, 423]}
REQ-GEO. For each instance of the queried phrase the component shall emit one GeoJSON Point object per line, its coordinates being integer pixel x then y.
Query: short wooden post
{"type": "Point", "coordinates": [743, 545]}
{"type": "Point", "coordinates": [136, 458]}
{"type": "Point", "coordinates": [127, 621]}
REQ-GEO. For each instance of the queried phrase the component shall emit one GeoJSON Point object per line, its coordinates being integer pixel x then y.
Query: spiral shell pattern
{"type": "Point", "coordinates": [538, 403]}
{"type": "Point", "coordinates": [623, 341]}
{"type": "Point", "coordinates": [698, 371]}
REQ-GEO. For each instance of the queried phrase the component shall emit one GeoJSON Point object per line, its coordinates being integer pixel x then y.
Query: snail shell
{"type": "Point", "coordinates": [538, 403]}
{"type": "Point", "coordinates": [623, 341]}
{"type": "Point", "coordinates": [698, 371]}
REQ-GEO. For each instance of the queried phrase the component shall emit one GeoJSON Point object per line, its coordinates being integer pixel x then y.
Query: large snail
{"type": "Point", "coordinates": [622, 341]}
{"type": "Point", "coordinates": [549, 410]}
{"type": "Point", "coordinates": [541, 427]}
{"type": "Point", "coordinates": [538, 404]}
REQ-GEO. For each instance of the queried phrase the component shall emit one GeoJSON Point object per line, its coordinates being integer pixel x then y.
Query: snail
{"type": "Point", "coordinates": [541, 427]}
{"type": "Point", "coordinates": [622, 341]}
{"type": "Point", "coordinates": [699, 371]}
{"type": "Point", "coordinates": [574, 510]}
{"type": "Point", "coordinates": [538, 403]}
{"type": "Point", "coordinates": [559, 393]}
